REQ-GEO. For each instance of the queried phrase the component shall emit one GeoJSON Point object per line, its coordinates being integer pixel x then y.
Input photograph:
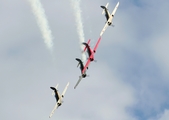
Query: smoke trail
{"type": "Point", "coordinates": [42, 21]}
{"type": "Point", "coordinates": [79, 24]}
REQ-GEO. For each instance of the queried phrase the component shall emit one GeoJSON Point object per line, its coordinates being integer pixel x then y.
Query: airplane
{"type": "Point", "coordinates": [83, 73]}
{"type": "Point", "coordinates": [91, 58]}
{"type": "Point", "coordinates": [90, 53]}
{"type": "Point", "coordinates": [59, 98]}
{"type": "Point", "coordinates": [108, 16]}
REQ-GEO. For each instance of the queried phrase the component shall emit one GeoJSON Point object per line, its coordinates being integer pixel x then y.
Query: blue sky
{"type": "Point", "coordinates": [129, 81]}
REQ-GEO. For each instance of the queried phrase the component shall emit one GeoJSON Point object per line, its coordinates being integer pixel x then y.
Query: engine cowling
{"type": "Point", "coordinates": [59, 104]}
{"type": "Point", "coordinates": [109, 23]}
{"type": "Point", "coordinates": [84, 75]}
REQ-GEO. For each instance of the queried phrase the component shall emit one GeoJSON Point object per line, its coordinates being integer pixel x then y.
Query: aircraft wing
{"type": "Point", "coordinates": [86, 66]}
{"type": "Point", "coordinates": [96, 46]}
{"type": "Point", "coordinates": [64, 91]}
{"type": "Point", "coordinates": [56, 106]}
{"type": "Point", "coordinates": [104, 28]}
{"type": "Point", "coordinates": [80, 78]}
{"type": "Point", "coordinates": [114, 11]}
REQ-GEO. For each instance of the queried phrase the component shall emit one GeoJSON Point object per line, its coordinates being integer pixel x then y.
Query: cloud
{"type": "Point", "coordinates": [79, 24]}
{"type": "Point", "coordinates": [116, 96]}
{"type": "Point", "coordinates": [132, 49]}
{"type": "Point", "coordinates": [128, 82]}
{"type": "Point", "coordinates": [161, 116]}
{"type": "Point", "coordinates": [165, 115]}
{"type": "Point", "coordinates": [101, 96]}
{"type": "Point", "coordinates": [42, 21]}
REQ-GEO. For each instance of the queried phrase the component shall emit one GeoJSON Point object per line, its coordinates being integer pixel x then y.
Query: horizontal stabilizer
{"type": "Point", "coordinates": [79, 60]}
{"type": "Point", "coordinates": [88, 42]}
{"type": "Point", "coordinates": [104, 7]}
{"type": "Point", "coordinates": [80, 63]}
{"type": "Point", "coordinates": [53, 93]}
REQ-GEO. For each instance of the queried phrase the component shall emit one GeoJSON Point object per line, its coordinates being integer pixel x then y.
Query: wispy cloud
{"type": "Point", "coordinates": [161, 116]}
{"type": "Point", "coordinates": [42, 21]}
{"type": "Point", "coordinates": [79, 24]}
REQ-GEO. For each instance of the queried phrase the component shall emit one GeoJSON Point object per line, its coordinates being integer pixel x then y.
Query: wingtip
{"type": "Point", "coordinates": [75, 86]}
{"type": "Point", "coordinates": [68, 84]}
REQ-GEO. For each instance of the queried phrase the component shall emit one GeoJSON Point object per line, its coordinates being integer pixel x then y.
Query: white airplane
{"type": "Point", "coordinates": [83, 72]}
{"type": "Point", "coordinates": [59, 98]}
{"type": "Point", "coordinates": [109, 16]}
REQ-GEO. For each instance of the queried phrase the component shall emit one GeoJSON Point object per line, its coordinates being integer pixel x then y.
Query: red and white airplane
{"type": "Point", "coordinates": [109, 17]}
{"type": "Point", "coordinates": [90, 59]}
{"type": "Point", "coordinates": [90, 52]}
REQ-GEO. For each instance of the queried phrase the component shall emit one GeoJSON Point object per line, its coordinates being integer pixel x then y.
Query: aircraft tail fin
{"type": "Point", "coordinates": [53, 93]}
{"type": "Point", "coordinates": [64, 91]}
{"type": "Point", "coordinates": [88, 42]}
{"type": "Point", "coordinates": [79, 60]}
{"type": "Point", "coordinates": [104, 7]}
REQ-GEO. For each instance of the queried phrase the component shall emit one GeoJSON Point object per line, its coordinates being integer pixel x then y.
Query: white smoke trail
{"type": "Point", "coordinates": [79, 24]}
{"type": "Point", "coordinates": [42, 21]}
